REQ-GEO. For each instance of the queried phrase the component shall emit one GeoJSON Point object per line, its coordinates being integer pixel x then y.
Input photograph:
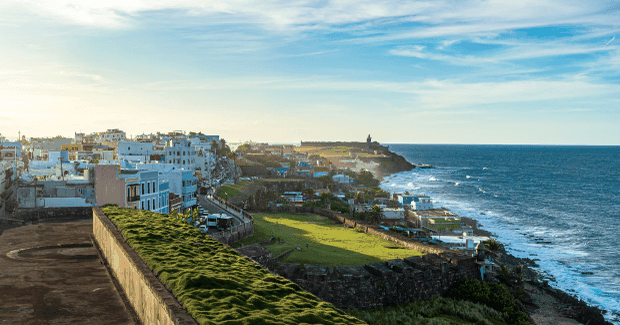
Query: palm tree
{"type": "Point", "coordinates": [375, 214]}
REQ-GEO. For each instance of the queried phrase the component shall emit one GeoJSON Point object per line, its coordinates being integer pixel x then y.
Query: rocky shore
{"type": "Point", "coordinates": [544, 304]}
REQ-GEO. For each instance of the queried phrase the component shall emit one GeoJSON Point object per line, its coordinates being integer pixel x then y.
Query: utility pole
{"type": "Point", "coordinates": [61, 174]}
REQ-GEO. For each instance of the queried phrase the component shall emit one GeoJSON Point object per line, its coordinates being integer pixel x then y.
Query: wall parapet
{"type": "Point", "coordinates": [153, 303]}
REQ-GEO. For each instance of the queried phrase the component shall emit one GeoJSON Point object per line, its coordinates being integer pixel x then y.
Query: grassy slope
{"type": "Point", "coordinates": [328, 244]}
{"type": "Point", "coordinates": [215, 283]}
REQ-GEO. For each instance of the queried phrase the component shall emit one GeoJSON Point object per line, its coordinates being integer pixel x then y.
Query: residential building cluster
{"type": "Point", "coordinates": [160, 172]}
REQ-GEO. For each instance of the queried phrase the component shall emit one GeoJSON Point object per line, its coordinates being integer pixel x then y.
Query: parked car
{"type": "Point", "coordinates": [203, 228]}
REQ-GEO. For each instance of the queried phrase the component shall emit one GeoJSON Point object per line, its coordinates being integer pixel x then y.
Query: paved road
{"type": "Point", "coordinates": [212, 208]}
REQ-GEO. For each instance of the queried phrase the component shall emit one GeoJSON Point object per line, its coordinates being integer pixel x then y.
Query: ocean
{"type": "Point", "coordinates": [557, 205]}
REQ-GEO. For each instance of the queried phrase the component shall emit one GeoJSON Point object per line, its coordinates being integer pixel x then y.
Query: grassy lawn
{"type": "Point", "coordinates": [444, 227]}
{"type": "Point", "coordinates": [328, 244]}
{"type": "Point", "coordinates": [214, 282]}
{"type": "Point", "coordinates": [231, 191]}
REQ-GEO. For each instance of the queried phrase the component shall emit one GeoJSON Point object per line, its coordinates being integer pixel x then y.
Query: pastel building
{"type": "Point", "coordinates": [135, 189]}
{"type": "Point", "coordinates": [181, 154]}
{"type": "Point", "coordinates": [182, 183]}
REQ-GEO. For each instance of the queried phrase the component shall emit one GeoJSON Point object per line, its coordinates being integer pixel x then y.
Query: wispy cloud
{"type": "Point", "coordinates": [611, 40]}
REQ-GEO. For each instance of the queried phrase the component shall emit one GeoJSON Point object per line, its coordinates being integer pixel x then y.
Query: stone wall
{"type": "Point", "coordinates": [382, 284]}
{"type": "Point", "coordinates": [241, 232]}
{"type": "Point", "coordinates": [379, 284]}
{"type": "Point", "coordinates": [33, 216]}
{"type": "Point", "coordinates": [153, 303]}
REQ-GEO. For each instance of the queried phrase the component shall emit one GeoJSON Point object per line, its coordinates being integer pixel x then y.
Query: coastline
{"type": "Point", "coordinates": [543, 303]}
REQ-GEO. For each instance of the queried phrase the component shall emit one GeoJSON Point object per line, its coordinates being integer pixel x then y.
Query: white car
{"type": "Point", "coordinates": [204, 228]}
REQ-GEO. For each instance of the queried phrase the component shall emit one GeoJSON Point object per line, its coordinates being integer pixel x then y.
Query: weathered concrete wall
{"type": "Point", "coordinates": [382, 284]}
{"type": "Point", "coordinates": [150, 299]}
{"type": "Point", "coordinates": [31, 216]}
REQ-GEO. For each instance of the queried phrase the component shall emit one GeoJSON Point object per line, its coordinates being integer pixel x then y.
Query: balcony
{"type": "Point", "coordinates": [133, 198]}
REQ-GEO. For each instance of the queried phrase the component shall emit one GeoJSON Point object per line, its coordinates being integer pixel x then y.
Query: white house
{"type": "Point", "coordinates": [342, 179]}
{"type": "Point", "coordinates": [421, 202]}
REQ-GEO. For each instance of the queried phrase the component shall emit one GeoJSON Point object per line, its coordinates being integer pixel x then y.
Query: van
{"type": "Point", "coordinates": [225, 222]}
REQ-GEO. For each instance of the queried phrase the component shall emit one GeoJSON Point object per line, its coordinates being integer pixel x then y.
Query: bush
{"type": "Point", "coordinates": [496, 296]}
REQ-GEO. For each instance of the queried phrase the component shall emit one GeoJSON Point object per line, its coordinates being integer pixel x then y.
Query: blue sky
{"type": "Point", "coordinates": [537, 72]}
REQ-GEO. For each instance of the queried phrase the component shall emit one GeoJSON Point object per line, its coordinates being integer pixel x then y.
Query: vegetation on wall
{"type": "Point", "coordinates": [214, 283]}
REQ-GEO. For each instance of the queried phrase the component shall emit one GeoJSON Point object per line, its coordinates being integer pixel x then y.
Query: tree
{"type": "Point", "coordinates": [366, 178]}
{"type": "Point", "coordinates": [26, 162]}
{"type": "Point", "coordinates": [375, 214]}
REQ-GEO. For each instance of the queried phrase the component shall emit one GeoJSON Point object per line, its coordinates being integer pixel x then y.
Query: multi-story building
{"type": "Point", "coordinates": [113, 135]}
{"type": "Point", "coordinates": [136, 189]}
{"type": "Point", "coordinates": [181, 154]}
{"type": "Point", "coordinates": [15, 148]}
{"type": "Point", "coordinates": [138, 151]}
{"type": "Point", "coordinates": [183, 183]}
{"type": "Point", "coordinates": [421, 202]}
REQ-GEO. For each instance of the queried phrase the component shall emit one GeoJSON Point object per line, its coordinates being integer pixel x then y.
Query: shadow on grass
{"type": "Point", "coordinates": [328, 244]}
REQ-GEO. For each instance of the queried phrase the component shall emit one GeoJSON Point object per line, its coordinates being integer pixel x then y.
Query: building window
{"type": "Point", "coordinates": [153, 204]}
{"type": "Point", "coordinates": [183, 153]}
{"type": "Point", "coordinates": [148, 203]}
{"type": "Point", "coordinates": [153, 187]}
{"type": "Point", "coordinates": [142, 188]}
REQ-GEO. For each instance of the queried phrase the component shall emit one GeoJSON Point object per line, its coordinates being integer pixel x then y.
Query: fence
{"type": "Point", "coordinates": [245, 230]}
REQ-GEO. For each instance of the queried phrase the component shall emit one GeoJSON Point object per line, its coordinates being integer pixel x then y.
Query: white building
{"type": "Point", "coordinates": [138, 151]}
{"type": "Point", "coordinates": [342, 179]}
{"type": "Point", "coordinates": [181, 154]}
{"type": "Point", "coordinates": [113, 135]}
{"type": "Point", "coordinates": [421, 202]}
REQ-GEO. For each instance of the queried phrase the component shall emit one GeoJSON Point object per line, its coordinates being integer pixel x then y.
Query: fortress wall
{"type": "Point", "coordinates": [34, 215]}
{"type": "Point", "coordinates": [382, 284]}
{"type": "Point", "coordinates": [149, 298]}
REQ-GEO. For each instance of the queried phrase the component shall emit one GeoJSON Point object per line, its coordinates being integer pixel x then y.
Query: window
{"type": "Point", "coordinates": [153, 204]}
{"type": "Point", "coordinates": [153, 187]}
{"type": "Point", "coordinates": [148, 203]}
{"type": "Point", "coordinates": [183, 153]}
{"type": "Point", "coordinates": [142, 188]}
{"type": "Point", "coordinates": [148, 188]}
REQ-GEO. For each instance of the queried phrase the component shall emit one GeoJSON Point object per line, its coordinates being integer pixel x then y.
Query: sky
{"type": "Point", "coordinates": [466, 72]}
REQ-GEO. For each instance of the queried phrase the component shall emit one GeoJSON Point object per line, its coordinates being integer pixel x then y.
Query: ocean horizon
{"type": "Point", "coordinates": [558, 205]}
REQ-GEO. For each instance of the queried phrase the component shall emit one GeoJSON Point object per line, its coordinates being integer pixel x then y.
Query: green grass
{"type": "Point", "coordinates": [435, 311]}
{"type": "Point", "coordinates": [226, 192]}
{"type": "Point", "coordinates": [328, 244]}
{"type": "Point", "coordinates": [443, 227]}
{"type": "Point", "coordinates": [233, 191]}
{"type": "Point", "coordinates": [215, 283]}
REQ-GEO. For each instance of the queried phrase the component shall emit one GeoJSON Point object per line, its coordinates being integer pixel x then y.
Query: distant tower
{"type": "Point", "coordinates": [369, 139]}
